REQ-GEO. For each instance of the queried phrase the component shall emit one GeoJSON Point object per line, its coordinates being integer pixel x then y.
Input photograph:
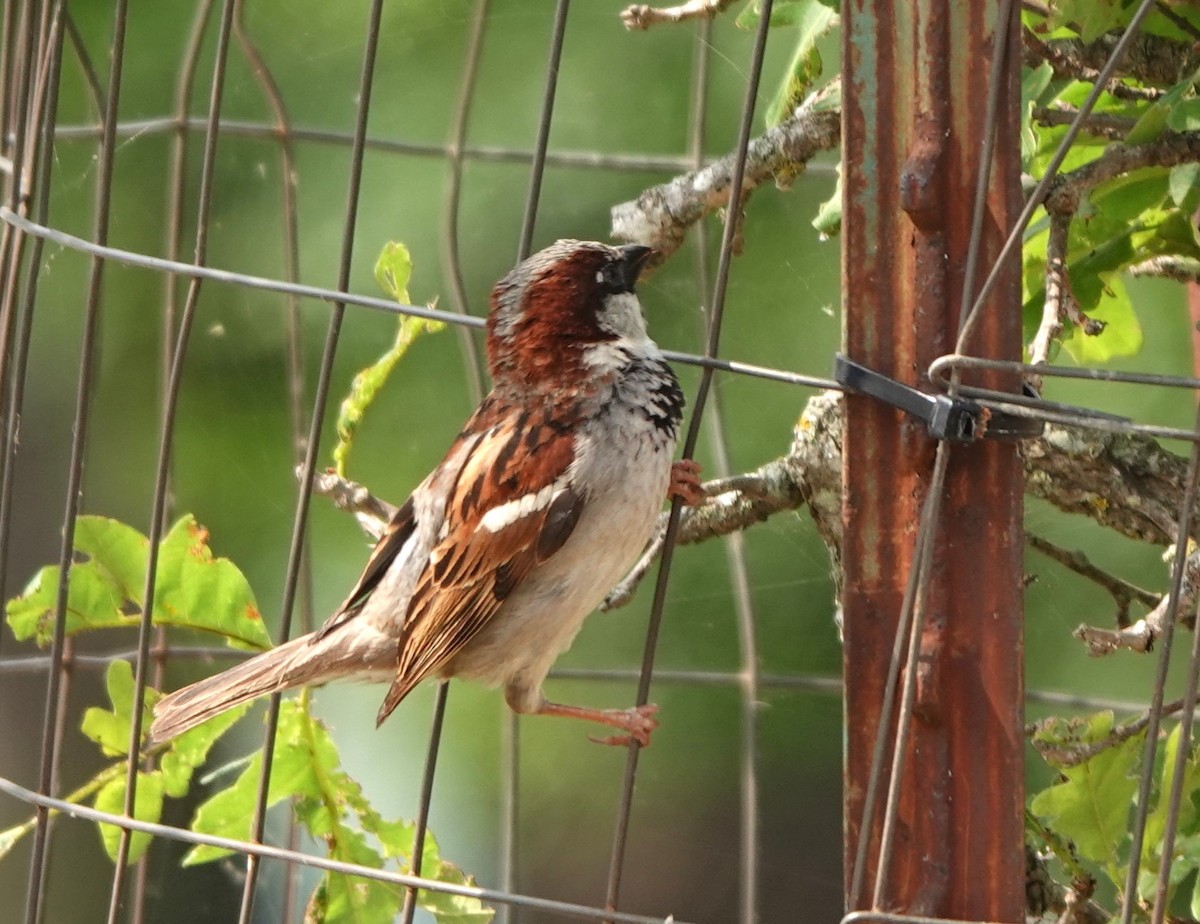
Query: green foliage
{"type": "Point", "coordinates": [392, 271]}
{"type": "Point", "coordinates": [1124, 220]}
{"type": "Point", "coordinates": [196, 590]}
{"type": "Point", "coordinates": [814, 20]}
{"type": "Point", "coordinates": [192, 588]}
{"type": "Point", "coordinates": [1090, 806]}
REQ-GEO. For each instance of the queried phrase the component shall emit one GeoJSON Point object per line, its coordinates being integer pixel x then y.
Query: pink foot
{"type": "Point", "coordinates": [685, 482]}
{"type": "Point", "coordinates": [639, 721]}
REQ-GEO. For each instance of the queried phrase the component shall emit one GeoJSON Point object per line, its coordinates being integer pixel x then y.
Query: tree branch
{"type": "Point", "coordinates": [1127, 483]}
{"type": "Point", "coordinates": [1124, 593]}
{"type": "Point", "coordinates": [640, 16]}
{"type": "Point", "coordinates": [660, 216]}
{"type": "Point", "coordinates": [1180, 269]}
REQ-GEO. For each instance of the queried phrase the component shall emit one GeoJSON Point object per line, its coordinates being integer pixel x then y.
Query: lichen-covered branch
{"type": "Point", "coordinates": [661, 216]}
{"type": "Point", "coordinates": [1124, 482]}
{"type": "Point", "coordinates": [1059, 304]}
{"type": "Point", "coordinates": [1169, 150]}
{"type": "Point", "coordinates": [641, 16]}
{"type": "Point", "coordinates": [1180, 269]}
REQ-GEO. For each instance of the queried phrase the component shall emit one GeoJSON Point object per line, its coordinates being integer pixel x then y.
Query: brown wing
{"type": "Point", "coordinates": [398, 531]}
{"type": "Point", "coordinates": [511, 508]}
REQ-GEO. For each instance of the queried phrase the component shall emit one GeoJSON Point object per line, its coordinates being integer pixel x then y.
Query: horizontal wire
{"type": "Point", "coordinates": [268, 852]}
{"type": "Point", "coordinates": [267, 284]}
{"type": "Point", "coordinates": [813, 683]}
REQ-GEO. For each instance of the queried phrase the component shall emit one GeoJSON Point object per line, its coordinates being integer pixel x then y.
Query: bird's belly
{"type": "Point", "coordinates": [542, 617]}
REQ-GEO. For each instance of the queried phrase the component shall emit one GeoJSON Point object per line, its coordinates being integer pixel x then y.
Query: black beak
{"type": "Point", "coordinates": [633, 259]}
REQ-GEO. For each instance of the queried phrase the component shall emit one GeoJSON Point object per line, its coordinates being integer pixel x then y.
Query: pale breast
{"type": "Point", "coordinates": [623, 464]}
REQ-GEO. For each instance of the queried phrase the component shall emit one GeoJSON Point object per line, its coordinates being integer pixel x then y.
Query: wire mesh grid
{"type": "Point", "coordinates": [40, 40]}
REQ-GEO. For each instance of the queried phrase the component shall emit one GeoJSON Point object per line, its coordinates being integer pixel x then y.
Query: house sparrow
{"type": "Point", "coordinates": [543, 502]}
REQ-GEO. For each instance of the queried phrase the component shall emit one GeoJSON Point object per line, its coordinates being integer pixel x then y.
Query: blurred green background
{"type": "Point", "coordinates": [618, 93]}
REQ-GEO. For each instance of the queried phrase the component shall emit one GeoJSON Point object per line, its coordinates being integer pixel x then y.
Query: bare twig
{"type": "Point", "coordinates": [1180, 22]}
{"type": "Point", "coordinates": [1060, 754]}
{"type": "Point", "coordinates": [1180, 269]}
{"type": "Point", "coordinates": [373, 514]}
{"type": "Point", "coordinates": [1102, 125]}
{"type": "Point", "coordinates": [1125, 482]}
{"type": "Point", "coordinates": [1058, 290]}
{"type": "Point", "coordinates": [1169, 150]}
{"type": "Point", "coordinates": [640, 16]}
{"type": "Point", "coordinates": [1141, 635]}
{"type": "Point", "coordinates": [660, 216]}
{"type": "Point", "coordinates": [1123, 592]}
{"type": "Point", "coordinates": [1060, 303]}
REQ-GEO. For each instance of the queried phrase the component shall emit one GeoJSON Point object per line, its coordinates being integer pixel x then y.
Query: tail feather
{"type": "Point", "coordinates": [269, 672]}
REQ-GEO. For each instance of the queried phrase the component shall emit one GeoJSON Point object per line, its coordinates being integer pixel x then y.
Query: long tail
{"type": "Point", "coordinates": [287, 666]}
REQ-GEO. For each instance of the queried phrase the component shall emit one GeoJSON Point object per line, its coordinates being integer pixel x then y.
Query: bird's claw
{"type": "Point", "coordinates": [639, 721]}
{"type": "Point", "coordinates": [685, 483]}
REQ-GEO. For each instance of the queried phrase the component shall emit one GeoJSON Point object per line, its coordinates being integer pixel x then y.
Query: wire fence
{"type": "Point", "coordinates": [42, 44]}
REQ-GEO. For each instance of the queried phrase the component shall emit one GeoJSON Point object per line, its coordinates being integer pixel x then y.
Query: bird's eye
{"type": "Point", "coordinates": [613, 277]}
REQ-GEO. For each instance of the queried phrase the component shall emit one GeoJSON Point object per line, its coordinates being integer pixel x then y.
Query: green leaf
{"type": "Point", "coordinates": [111, 730]}
{"type": "Point", "coordinates": [829, 216]}
{"type": "Point", "coordinates": [147, 802]}
{"type": "Point", "coordinates": [192, 588]}
{"type": "Point", "coordinates": [1093, 17]}
{"type": "Point", "coordinates": [1155, 119]}
{"type": "Point", "coordinates": [392, 271]}
{"type": "Point", "coordinates": [197, 591]}
{"type": "Point", "coordinates": [331, 805]}
{"type": "Point", "coordinates": [1092, 806]}
{"type": "Point", "coordinates": [230, 812]}
{"type": "Point", "coordinates": [814, 20]}
{"type": "Point", "coordinates": [1184, 186]}
{"type": "Point", "coordinates": [1156, 821]}
{"type": "Point", "coordinates": [188, 751]}
{"type": "Point", "coordinates": [1185, 116]}
{"type": "Point", "coordinates": [1034, 82]}
{"type": "Point", "coordinates": [783, 13]}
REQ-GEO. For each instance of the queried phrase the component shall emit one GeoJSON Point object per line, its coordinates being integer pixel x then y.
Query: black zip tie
{"type": "Point", "coordinates": [957, 419]}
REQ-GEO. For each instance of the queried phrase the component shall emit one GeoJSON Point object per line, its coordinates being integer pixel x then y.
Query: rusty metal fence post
{"type": "Point", "coordinates": [915, 84]}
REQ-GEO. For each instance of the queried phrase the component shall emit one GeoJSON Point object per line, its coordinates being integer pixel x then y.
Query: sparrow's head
{"type": "Point", "coordinates": [551, 308]}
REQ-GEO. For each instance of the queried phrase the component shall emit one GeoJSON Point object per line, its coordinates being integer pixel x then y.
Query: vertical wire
{"type": "Point", "coordinates": [543, 134]}
{"type": "Point", "coordinates": [295, 356]}
{"type": "Point", "coordinates": [1038, 195]}
{"type": "Point", "coordinates": [166, 441]}
{"type": "Point", "coordinates": [189, 61]}
{"type": "Point", "coordinates": [320, 397]}
{"type": "Point", "coordinates": [735, 545]}
{"type": "Point", "coordinates": [1164, 642]}
{"type": "Point", "coordinates": [732, 218]}
{"type": "Point", "coordinates": [8, 42]}
{"type": "Point", "coordinates": [510, 810]}
{"type": "Point", "coordinates": [1183, 744]}
{"type": "Point", "coordinates": [53, 727]}
{"type": "Point", "coordinates": [12, 241]}
{"type": "Point", "coordinates": [10, 266]}
{"type": "Point", "coordinates": [451, 255]}
{"type": "Point", "coordinates": [450, 251]}
{"type": "Point", "coordinates": [511, 734]}
{"type": "Point", "coordinates": [422, 821]}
